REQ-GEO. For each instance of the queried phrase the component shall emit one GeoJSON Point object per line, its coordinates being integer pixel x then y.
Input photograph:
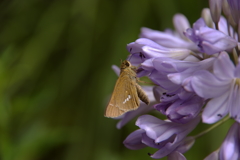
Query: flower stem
{"type": "Point", "coordinates": [216, 26]}
{"type": "Point", "coordinates": [235, 56]}
{"type": "Point", "coordinates": [198, 57]}
{"type": "Point", "coordinates": [212, 127]}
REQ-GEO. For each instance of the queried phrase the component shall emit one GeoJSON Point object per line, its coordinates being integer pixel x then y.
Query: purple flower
{"type": "Point", "coordinates": [163, 135]}
{"type": "Point", "coordinates": [143, 49]}
{"type": "Point", "coordinates": [196, 80]}
{"type": "Point", "coordinates": [221, 87]}
{"type": "Point", "coordinates": [170, 73]}
{"type": "Point", "coordinates": [215, 8]}
{"type": "Point", "coordinates": [230, 149]}
{"type": "Point", "coordinates": [235, 9]}
{"type": "Point", "coordinates": [176, 156]}
{"type": "Point", "coordinates": [213, 156]}
{"type": "Point", "coordinates": [185, 145]}
{"type": "Point", "coordinates": [180, 110]}
{"type": "Point", "coordinates": [171, 39]}
{"type": "Point", "coordinates": [224, 27]}
{"type": "Point", "coordinates": [209, 41]}
{"type": "Point", "coordinates": [134, 140]}
{"type": "Point", "coordinates": [177, 71]}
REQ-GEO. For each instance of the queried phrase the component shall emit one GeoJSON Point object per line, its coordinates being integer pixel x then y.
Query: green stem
{"type": "Point", "coordinates": [212, 127]}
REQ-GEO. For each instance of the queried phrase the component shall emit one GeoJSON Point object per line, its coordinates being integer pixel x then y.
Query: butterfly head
{"type": "Point", "coordinates": [125, 64]}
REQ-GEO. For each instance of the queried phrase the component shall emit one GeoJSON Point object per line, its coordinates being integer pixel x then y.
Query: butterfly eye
{"type": "Point", "coordinates": [127, 63]}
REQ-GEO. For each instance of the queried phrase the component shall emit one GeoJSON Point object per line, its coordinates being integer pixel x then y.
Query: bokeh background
{"type": "Point", "coordinates": [56, 77]}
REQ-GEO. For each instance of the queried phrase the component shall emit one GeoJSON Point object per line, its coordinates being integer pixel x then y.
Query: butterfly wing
{"type": "Point", "coordinates": [124, 97]}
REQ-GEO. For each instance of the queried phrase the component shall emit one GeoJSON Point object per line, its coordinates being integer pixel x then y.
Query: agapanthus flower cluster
{"type": "Point", "coordinates": [196, 70]}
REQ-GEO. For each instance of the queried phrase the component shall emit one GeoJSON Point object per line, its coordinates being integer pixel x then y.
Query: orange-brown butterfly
{"type": "Point", "coordinates": [126, 92]}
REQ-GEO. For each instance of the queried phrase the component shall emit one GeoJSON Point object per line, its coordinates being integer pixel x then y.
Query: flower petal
{"type": "Point", "coordinates": [186, 144]}
{"type": "Point", "coordinates": [176, 156]}
{"type": "Point", "coordinates": [181, 24]}
{"type": "Point", "coordinates": [134, 140]}
{"type": "Point", "coordinates": [167, 40]}
{"type": "Point", "coordinates": [149, 124]}
{"type": "Point", "coordinates": [166, 52]}
{"type": "Point", "coordinates": [216, 109]}
{"type": "Point", "coordinates": [223, 67]}
{"type": "Point", "coordinates": [213, 156]}
{"type": "Point", "coordinates": [206, 85]}
{"type": "Point", "coordinates": [230, 148]}
{"type": "Point", "coordinates": [215, 8]}
{"type": "Point", "coordinates": [237, 71]}
{"type": "Point", "coordinates": [116, 69]}
{"type": "Point", "coordinates": [184, 111]}
{"type": "Point", "coordinates": [209, 40]}
{"type": "Point", "coordinates": [163, 81]}
{"type": "Point", "coordinates": [234, 102]}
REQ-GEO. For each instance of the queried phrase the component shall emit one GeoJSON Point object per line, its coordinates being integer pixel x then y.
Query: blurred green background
{"type": "Point", "coordinates": [56, 77]}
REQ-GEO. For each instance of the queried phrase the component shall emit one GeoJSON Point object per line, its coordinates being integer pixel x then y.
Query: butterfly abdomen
{"type": "Point", "coordinates": [141, 94]}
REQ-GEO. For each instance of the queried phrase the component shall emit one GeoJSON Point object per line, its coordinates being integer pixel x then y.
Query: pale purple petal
{"type": "Point", "coordinates": [149, 124]}
{"type": "Point", "coordinates": [162, 130]}
{"type": "Point", "coordinates": [213, 156]}
{"type": "Point", "coordinates": [135, 48]}
{"type": "Point", "coordinates": [171, 147]}
{"type": "Point", "coordinates": [199, 24]}
{"type": "Point", "coordinates": [235, 9]}
{"type": "Point", "coordinates": [163, 81]}
{"type": "Point", "coordinates": [223, 26]}
{"type": "Point", "coordinates": [209, 40]}
{"type": "Point", "coordinates": [166, 52]}
{"type": "Point", "coordinates": [237, 71]}
{"type": "Point", "coordinates": [214, 41]}
{"type": "Point", "coordinates": [158, 92]}
{"type": "Point", "coordinates": [142, 109]}
{"type": "Point", "coordinates": [167, 40]}
{"type": "Point", "coordinates": [186, 144]}
{"type": "Point", "coordinates": [134, 140]}
{"type": "Point", "coordinates": [139, 43]}
{"type": "Point", "coordinates": [216, 109]}
{"type": "Point", "coordinates": [206, 85]}
{"type": "Point", "coordinates": [184, 95]}
{"type": "Point", "coordinates": [151, 143]}
{"type": "Point", "coordinates": [180, 70]}
{"type": "Point", "coordinates": [187, 84]}
{"type": "Point", "coordinates": [166, 101]}
{"type": "Point", "coordinates": [164, 151]}
{"type": "Point", "coordinates": [164, 64]}
{"type": "Point", "coordinates": [176, 156]}
{"type": "Point", "coordinates": [184, 111]}
{"type": "Point", "coordinates": [226, 8]}
{"type": "Point", "coordinates": [223, 67]}
{"type": "Point", "coordinates": [148, 65]}
{"type": "Point", "coordinates": [190, 32]}
{"type": "Point", "coordinates": [215, 8]}
{"type": "Point", "coordinates": [142, 72]}
{"type": "Point", "coordinates": [116, 69]}
{"type": "Point", "coordinates": [231, 145]}
{"type": "Point", "coordinates": [181, 24]}
{"type": "Point", "coordinates": [178, 78]}
{"type": "Point", "coordinates": [234, 102]}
